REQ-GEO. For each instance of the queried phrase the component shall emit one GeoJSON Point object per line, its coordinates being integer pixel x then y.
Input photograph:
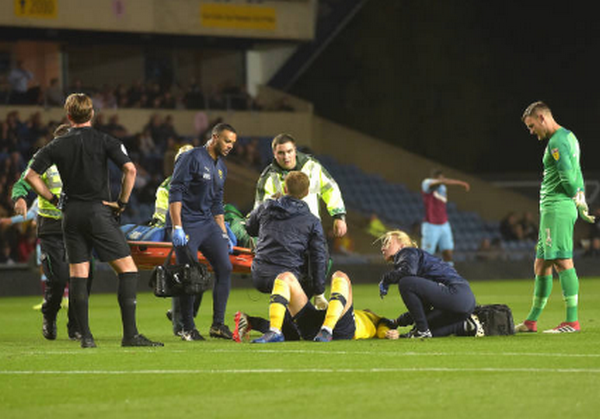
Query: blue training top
{"type": "Point", "coordinates": [197, 183]}
{"type": "Point", "coordinates": [412, 261]}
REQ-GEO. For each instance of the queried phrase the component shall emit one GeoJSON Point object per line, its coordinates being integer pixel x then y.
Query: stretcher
{"type": "Point", "coordinates": [148, 254]}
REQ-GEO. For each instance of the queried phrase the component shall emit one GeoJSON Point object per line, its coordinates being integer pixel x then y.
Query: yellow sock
{"type": "Point", "coordinates": [280, 298]}
{"type": "Point", "coordinates": [339, 296]}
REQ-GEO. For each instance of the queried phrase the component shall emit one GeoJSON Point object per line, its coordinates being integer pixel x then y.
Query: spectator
{"type": "Point", "coordinates": [54, 94]}
{"type": "Point", "coordinates": [529, 227]}
{"type": "Point", "coordinates": [510, 228]}
{"type": "Point", "coordinates": [19, 79]}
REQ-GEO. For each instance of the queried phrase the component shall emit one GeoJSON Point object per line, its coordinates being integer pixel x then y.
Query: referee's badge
{"type": "Point", "coordinates": [124, 150]}
{"type": "Point", "coordinates": [555, 154]}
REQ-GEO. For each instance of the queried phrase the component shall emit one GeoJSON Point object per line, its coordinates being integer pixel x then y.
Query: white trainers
{"type": "Point", "coordinates": [528, 326]}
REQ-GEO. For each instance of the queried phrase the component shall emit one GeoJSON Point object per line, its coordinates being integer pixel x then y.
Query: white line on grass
{"type": "Point", "coordinates": [306, 370]}
{"type": "Point", "coordinates": [324, 352]}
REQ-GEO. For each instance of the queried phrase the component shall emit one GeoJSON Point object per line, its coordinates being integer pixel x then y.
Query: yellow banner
{"type": "Point", "coordinates": [46, 9]}
{"type": "Point", "coordinates": [238, 17]}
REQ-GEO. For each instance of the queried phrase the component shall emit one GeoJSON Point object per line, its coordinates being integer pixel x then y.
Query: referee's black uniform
{"type": "Point", "coordinates": [81, 157]}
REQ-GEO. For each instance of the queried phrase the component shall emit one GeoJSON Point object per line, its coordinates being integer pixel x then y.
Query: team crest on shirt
{"type": "Point", "coordinates": [220, 174]}
{"type": "Point", "coordinates": [555, 154]}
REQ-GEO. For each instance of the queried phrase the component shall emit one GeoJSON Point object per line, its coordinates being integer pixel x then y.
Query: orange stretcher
{"type": "Point", "coordinates": [147, 255]}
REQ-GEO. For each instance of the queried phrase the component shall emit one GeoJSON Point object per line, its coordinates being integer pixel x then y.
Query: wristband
{"type": "Point", "coordinates": [340, 217]}
{"type": "Point", "coordinates": [121, 204]}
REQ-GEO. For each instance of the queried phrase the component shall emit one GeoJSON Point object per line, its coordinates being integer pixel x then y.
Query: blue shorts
{"type": "Point", "coordinates": [436, 236]}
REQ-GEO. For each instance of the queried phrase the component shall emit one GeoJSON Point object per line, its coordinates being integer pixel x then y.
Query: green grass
{"type": "Point", "coordinates": [525, 376]}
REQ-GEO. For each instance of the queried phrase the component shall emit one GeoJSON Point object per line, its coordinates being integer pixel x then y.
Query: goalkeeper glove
{"type": "Point", "coordinates": [582, 207]}
{"type": "Point", "coordinates": [321, 302]}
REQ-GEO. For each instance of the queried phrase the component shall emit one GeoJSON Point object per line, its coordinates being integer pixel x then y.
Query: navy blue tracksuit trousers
{"type": "Point", "coordinates": [207, 237]}
{"type": "Point", "coordinates": [435, 306]}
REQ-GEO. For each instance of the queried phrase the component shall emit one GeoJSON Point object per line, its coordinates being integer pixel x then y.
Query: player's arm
{"type": "Point", "coordinates": [569, 176]}
{"type": "Point", "coordinates": [179, 181]}
{"type": "Point", "coordinates": [452, 182]}
{"type": "Point", "coordinates": [118, 154]}
{"type": "Point", "coordinates": [39, 186]}
{"type": "Point", "coordinates": [332, 196]}
{"type": "Point", "coordinates": [318, 257]}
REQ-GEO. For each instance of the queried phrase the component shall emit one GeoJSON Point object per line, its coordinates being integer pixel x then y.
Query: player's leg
{"type": "Point", "coordinates": [543, 273]}
{"type": "Point", "coordinates": [563, 251]}
{"type": "Point", "coordinates": [446, 242]}
{"type": "Point", "coordinates": [287, 295]}
{"type": "Point", "coordinates": [215, 249]}
{"type": "Point", "coordinates": [429, 237]}
{"type": "Point", "coordinates": [340, 302]}
{"type": "Point", "coordinates": [56, 269]}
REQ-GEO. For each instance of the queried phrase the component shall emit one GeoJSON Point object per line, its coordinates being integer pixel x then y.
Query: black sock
{"type": "Point", "coordinates": [258, 323]}
{"type": "Point", "coordinates": [127, 301]}
{"type": "Point", "coordinates": [78, 296]}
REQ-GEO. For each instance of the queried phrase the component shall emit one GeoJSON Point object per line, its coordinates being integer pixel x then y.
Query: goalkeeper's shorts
{"type": "Point", "coordinates": [555, 239]}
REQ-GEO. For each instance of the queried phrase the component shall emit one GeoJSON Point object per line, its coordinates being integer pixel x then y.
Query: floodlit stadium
{"type": "Point", "coordinates": [416, 117]}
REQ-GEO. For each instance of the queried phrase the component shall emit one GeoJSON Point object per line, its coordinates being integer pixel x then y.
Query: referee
{"type": "Point", "coordinates": [89, 222]}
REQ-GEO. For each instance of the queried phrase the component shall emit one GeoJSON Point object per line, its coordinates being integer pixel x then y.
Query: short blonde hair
{"type": "Point", "coordinates": [79, 107]}
{"type": "Point", "coordinates": [400, 235]}
{"type": "Point", "coordinates": [535, 109]}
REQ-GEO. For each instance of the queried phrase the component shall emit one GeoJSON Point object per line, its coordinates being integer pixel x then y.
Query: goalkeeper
{"type": "Point", "coordinates": [562, 197]}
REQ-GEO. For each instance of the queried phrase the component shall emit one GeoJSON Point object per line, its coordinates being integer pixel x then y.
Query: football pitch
{"type": "Point", "coordinates": [525, 376]}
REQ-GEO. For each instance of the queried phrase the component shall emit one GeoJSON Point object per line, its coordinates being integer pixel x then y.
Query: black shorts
{"type": "Point", "coordinates": [92, 225]}
{"type": "Point", "coordinates": [309, 321]}
{"type": "Point", "coordinates": [264, 274]}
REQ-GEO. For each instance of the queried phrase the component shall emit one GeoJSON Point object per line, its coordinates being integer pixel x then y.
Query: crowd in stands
{"type": "Point", "coordinates": [19, 88]}
{"type": "Point", "coordinates": [152, 150]}
{"type": "Point", "coordinates": [515, 228]}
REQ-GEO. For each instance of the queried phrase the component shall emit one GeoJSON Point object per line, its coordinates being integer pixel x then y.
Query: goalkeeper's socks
{"type": "Point", "coordinates": [127, 301]}
{"type": "Point", "coordinates": [280, 298]}
{"type": "Point", "coordinates": [570, 290]}
{"type": "Point", "coordinates": [541, 292]}
{"type": "Point", "coordinates": [340, 289]}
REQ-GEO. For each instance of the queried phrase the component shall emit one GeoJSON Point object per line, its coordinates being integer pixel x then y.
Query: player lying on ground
{"type": "Point", "coordinates": [339, 321]}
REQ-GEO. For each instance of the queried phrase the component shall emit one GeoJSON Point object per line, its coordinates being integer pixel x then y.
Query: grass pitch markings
{"type": "Point", "coordinates": [309, 371]}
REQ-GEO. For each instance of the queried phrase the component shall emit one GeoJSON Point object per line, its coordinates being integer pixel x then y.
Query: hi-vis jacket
{"type": "Point", "coordinates": [322, 184]}
{"type": "Point", "coordinates": [52, 179]}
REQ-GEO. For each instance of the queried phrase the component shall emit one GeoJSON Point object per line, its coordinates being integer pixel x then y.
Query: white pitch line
{"type": "Point", "coordinates": [308, 370]}
{"type": "Point", "coordinates": [323, 352]}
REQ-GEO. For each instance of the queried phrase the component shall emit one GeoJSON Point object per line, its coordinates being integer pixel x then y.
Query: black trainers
{"type": "Point", "coordinates": [191, 335]}
{"type": "Point", "coordinates": [49, 328]}
{"type": "Point", "coordinates": [88, 342]}
{"type": "Point", "coordinates": [73, 332]}
{"type": "Point", "coordinates": [170, 315]}
{"type": "Point", "coordinates": [220, 331]}
{"type": "Point", "coordinates": [139, 340]}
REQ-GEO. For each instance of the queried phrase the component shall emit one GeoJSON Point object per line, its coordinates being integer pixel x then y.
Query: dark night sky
{"type": "Point", "coordinates": [450, 79]}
